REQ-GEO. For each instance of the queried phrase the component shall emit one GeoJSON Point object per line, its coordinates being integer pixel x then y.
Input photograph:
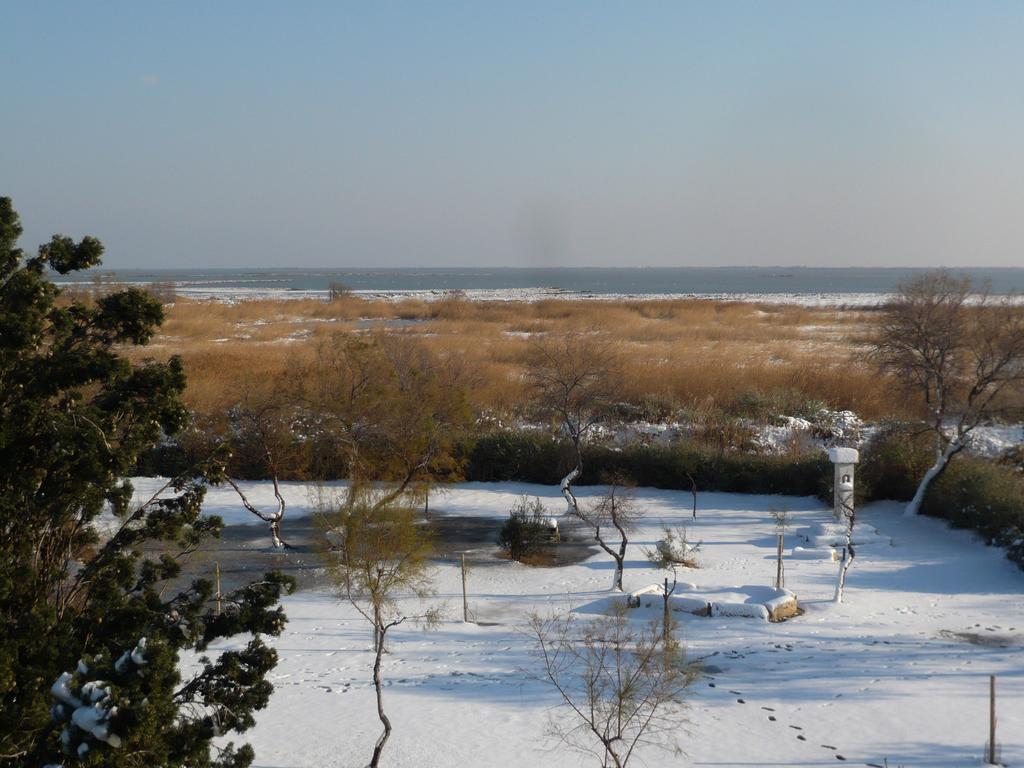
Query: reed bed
{"type": "Point", "coordinates": [682, 354]}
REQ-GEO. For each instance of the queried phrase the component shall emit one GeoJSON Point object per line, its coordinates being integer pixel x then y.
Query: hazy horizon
{"type": "Point", "coordinates": [254, 135]}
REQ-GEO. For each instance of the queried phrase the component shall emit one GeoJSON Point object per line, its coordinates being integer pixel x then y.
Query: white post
{"type": "Point", "coordinates": [844, 460]}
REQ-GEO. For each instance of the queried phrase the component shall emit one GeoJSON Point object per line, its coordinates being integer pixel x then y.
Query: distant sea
{"type": "Point", "coordinates": [811, 285]}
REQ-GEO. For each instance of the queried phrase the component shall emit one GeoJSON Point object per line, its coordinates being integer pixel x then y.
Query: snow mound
{"type": "Point", "coordinates": [832, 534]}
{"type": "Point", "coordinates": [813, 553]}
{"type": "Point", "coordinates": [748, 601]}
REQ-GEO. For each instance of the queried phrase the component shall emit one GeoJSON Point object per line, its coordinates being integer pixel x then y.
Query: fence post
{"type": "Point", "coordinates": [216, 565]}
{"type": "Point", "coordinates": [992, 719]}
{"type": "Point", "coordinates": [465, 605]}
{"type": "Point", "coordinates": [779, 580]}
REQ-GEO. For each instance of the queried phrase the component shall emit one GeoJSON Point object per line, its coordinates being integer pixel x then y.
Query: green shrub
{"type": "Point", "coordinates": [531, 457]}
{"type": "Point", "coordinates": [893, 463]}
{"type": "Point", "coordinates": [982, 495]}
{"type": "Point", "coordinates": [526, 529]}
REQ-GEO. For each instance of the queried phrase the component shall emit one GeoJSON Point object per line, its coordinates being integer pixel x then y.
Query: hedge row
{"type": "Point", "coordinates": [537, 458]}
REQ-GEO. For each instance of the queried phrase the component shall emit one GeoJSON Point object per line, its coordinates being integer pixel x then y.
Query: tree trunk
{"type": "Point", "coordinates": [693, 490]}
{"type": "Point", "coordinates": [567, 481]}
{"type": "Point", "coordinates": [844, 566]}
{"type": "Point", "coordinates": [619, 557]}
{"type": "Point", "coordinates": [850, 513]}
{"type": "Point", "coordinates": [941, 460]}
{"type": "Point", "coordinates": [275, 535]}
{"type": "Point", "coordinates": [566, 488]}
{"type": "Point", "coordinates": [378, 687]}
{"type": "Point", "coordinates": [378, 638]}
{"type": "Point", "coordinates": [615, 759]}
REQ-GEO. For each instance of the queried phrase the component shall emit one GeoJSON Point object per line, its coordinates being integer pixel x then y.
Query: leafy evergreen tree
{"type": "Point", "coordinates": [90, 629]}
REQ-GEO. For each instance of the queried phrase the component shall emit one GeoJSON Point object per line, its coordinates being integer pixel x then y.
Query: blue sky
{"type": "Point", "coordinates": [389, 134]}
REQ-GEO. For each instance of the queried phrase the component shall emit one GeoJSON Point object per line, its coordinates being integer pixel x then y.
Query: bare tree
{"type": "Point", "coordinates": [379, 552]}
{"type": "Point", "coordinates": [337, 290]}
{"type": "Point", "coordinates": [959, 350]}
{"type": "Point", "coordinates": [611, 517]}
{"type": "Point", "coordinates": [574, 378]}
{"type": "Point", "coordinates": [261, 423]}
{"type": "Point", "coordinates": [625, 687]}
{"type": "Point", "coordinates": [395, 408]}
{"type": "Point", "coordinates": [426, 410]}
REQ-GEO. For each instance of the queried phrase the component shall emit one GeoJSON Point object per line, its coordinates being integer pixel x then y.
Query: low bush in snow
{"type": "Point", "coordinates": [526, 530]}
{"type": "Point", "coordinates": [674, 549]}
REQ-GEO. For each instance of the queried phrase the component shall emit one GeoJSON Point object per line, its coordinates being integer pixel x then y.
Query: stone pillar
{"type": "Point", "coordinates": [844, 460]}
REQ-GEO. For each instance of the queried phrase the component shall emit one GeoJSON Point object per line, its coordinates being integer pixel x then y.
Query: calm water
{"type": "Point", "coordinates": [670, 280]}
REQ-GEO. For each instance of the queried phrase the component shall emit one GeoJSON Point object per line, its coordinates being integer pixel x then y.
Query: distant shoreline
{"type": "Point", "coordinates": [809, 286]}
{"type": "Point", "coordinates": [853, 287]}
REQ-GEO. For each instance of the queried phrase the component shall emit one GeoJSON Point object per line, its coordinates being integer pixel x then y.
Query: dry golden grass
{"type": "Point", "coordinates": [689, 353]}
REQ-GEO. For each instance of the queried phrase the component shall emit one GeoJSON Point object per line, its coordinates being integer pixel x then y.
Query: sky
{"type": "Point", "coordinates": [309, 134]}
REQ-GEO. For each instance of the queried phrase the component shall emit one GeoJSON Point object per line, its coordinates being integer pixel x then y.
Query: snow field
{"type": "Point", "coordinates": [899, 671]}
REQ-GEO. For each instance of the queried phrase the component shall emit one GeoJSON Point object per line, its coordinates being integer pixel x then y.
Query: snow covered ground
{"type": "Point", "coordinates": [206, 290]}
{"type": "Point", "coordinates": [899, 672]}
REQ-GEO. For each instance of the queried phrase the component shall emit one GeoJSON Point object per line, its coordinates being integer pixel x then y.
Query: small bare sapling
{"type": "Point", "coordinates": [611, 517]}
{"type": "Point", "coordinates": [673, 549]}
{"type": "Point", "coordinates": [378, 553]}
{"type": "Point", "coordinates": [625, 687]}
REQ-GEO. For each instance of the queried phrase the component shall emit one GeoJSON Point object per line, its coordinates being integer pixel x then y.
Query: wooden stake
{"type": "Point", "coordinates": [664, 633]}
{"type": "Point", "coordinates": [216, 566]}
{"type": "Point", "coordinates": [992, 719]}
{"type": "Point", "coordinates": [779, 582]}
{"type": "Point", "coordinates": [465, 605]}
